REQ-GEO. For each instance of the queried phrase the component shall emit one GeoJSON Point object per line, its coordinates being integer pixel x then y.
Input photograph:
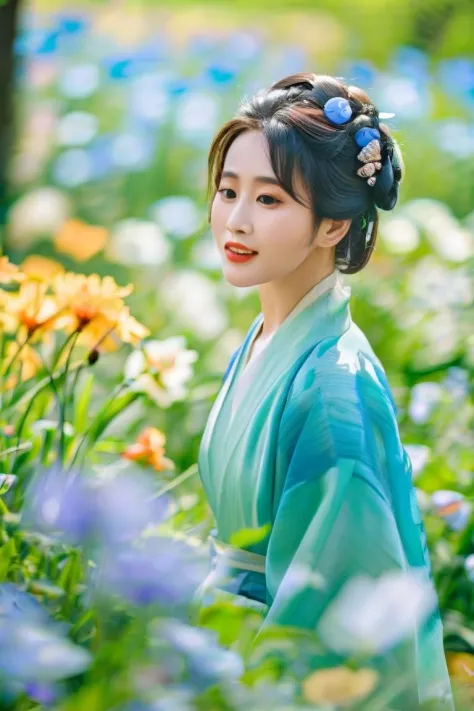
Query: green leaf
{"type": "Point", "coordinates": [249, 536]}
{"type": "Point", "coordinates": [71, 574]}
{"type": "Point", "coordinates": [108, 413]}
{"type": "Point", "coordinates": [6, 482]}
{"type": "Point", "coordinates": [7, 553]}
{"type": "Point", "coordinates": [82, 404]}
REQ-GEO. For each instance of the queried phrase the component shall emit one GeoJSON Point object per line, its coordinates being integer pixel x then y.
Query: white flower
{"type": "Point", "coordinates": [39, 213]}
{"type": "Point", "coordinates": [77, 128]}
{"type": "Point", "coordinates": [424, 397]}
{"type": "Point", "coordinates": [373, 615]}
{"type": "Point", "coordinates": [197, 116]}
{"type": "Point", "coordinates": [138, 242]}
{"type": "Point", "coordinates": [192, 298]}
{"type": "Point", "coordinates": [162, 369]}
{"type": "Point", "coordinates": [419, 455]}
{"type": "Point", "coordinates": [177, 214]}
{"type": "Point", "coordinates": [400, 235]}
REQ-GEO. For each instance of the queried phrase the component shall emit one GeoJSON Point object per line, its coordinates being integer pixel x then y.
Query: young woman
{"type": "Point", "coordinates": [303, 435]}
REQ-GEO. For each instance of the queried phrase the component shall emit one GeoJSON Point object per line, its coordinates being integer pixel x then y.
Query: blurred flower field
{"type": "Point", "coordinates": [116, 328]}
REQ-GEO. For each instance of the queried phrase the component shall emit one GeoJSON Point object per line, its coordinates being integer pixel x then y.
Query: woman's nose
{"type": "Point", "coordinates": [239, 220]}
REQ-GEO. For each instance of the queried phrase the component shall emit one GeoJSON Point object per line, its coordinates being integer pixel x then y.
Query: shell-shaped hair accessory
{"type": "Point", "coordinates": [371, 152]}
{"type": "Point", "coordinates": [367, 170]}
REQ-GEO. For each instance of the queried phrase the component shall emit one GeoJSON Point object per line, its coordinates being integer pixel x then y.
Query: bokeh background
{"type": "Point", "coordinates": [105, 122]}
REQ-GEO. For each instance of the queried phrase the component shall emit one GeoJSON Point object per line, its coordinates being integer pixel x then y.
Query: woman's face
{"type": "Point", "coordinates": [252, 209]}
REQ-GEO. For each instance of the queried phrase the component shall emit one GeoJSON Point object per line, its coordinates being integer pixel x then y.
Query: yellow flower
{"type": "Point", "coordinates": [9, 272]}
{"type": "Point", "coordinates": [27, 361]}
{"type": "Point", "coordinates": [340, 685]}
{"type": "Point", "coordinates": [149, 449]}
{"type": "Point", "coordinates": [94, 306]}
{"type": "Point", "coordinates": [31, 309]}
{"type": "Point", "coordinates": [41, 268]}
{"type": "Point", "coordinates": [80, 240]}
{"type": "Point", "coordinates": [461, 667]}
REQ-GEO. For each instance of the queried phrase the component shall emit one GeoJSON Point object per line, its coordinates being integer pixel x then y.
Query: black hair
{"type": "Point", "coordinates": [300, 137]}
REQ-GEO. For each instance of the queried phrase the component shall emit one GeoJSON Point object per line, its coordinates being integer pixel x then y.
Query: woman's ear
{"type": "Point", "coordinates": [331, 232]}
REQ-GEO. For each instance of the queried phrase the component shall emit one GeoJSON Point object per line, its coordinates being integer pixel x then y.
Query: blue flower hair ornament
{"type": "Point", "coordinates": [338, 111]}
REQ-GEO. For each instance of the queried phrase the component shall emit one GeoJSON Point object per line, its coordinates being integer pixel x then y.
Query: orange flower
{"type": "Point", "coordinates": [149, 449]}
{"type": "Point", "coordinates": [30, 309]}
{"type": "Point", "coordinates": [94, 306]}
{"type": "Point", "coordinates": [41, 268]}
{"type": "Point", "coordinates": [80, 240]}
{"type": "Point", "coordinates": [9, 272]}
{"type": "Point", "coordinates": [27, 361]}
{"type": "Point", "coordinates": [461, 667]}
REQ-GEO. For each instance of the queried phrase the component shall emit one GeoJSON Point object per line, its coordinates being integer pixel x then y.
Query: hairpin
{"type": "Point", "coordinates": [337, 110]}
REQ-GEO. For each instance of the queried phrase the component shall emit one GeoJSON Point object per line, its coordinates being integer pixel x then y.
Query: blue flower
{"type": "Point", "coordinates": [157, 571]}
{"type": "Point", "coordinates": [59, 502]}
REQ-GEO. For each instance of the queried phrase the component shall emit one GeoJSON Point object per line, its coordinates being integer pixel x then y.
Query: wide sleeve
{"type": "Point", "coordinates": [333, 516]}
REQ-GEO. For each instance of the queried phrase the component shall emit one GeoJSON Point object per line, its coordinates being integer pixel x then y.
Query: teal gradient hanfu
{"type": "Point", "coordinates": [304, 437]}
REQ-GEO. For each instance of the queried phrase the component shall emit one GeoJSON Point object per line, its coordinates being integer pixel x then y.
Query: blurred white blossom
{"type": "Point", "coordinates": [373, 615]}
{"type": "Point", "coordinates": [77, 128]}
{"type": "Point", "coordinates": [424, 398]}
{"type": "Point", "coordinates": [197, 117]}
{"type": "Point", "coordinates": [400, 235]}
{"type": "Point", "coordinates": [79, 81]}
{"type": "Point", "coordinates": [177, 214]}
{"type": "Point", "coordinates": [73, 167]}
{"type": "Point", "coordinates": [448, 238]}
{"type": "Point", "coordinates": [162, 369]}
{"type": "Point", "coordinates": [138, 242]}
{"type": "Point", "coordinates": [39, 213]}
{"type": "Point", "coordinates": [419, 455]}
{"type": "Point", "coordinates": [193, 299]}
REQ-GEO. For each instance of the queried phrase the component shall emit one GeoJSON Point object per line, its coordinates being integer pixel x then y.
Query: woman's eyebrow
{"type": "Point", "coordinates": [259, 179]}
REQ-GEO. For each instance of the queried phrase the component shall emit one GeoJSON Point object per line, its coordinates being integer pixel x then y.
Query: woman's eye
{"type": "Point", "coordinates": [275, 201]}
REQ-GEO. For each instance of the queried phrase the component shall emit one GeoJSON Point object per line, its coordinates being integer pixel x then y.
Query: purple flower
{"type": "Point", "coordinates": [126, 506]}
{"type": "Point", "coordinates": [156, 571]}
{"type": "Point", "coordinates": [43, 694]}
{"type": "Point", "coordinates": [60, 502]}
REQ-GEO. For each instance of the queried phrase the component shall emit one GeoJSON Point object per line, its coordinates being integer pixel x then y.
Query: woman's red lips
{"type": "Point", "coordinates": [243, 255]}
{"type": "Point", "coordinates": [239, 246]}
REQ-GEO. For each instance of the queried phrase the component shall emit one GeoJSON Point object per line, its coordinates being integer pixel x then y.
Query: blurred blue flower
{"type": "Point", "coordinates": [457, 77]}
{"type": "Point", "coordinates": [157, 571]}
{"type": "Point", "coordinates": [72, 168]}
{"type": "Point", "coordinates": [221, 73]}
{"type": "Point", "coordinates": [36, 42]}
{"type": "Point", "coordinates": [14, 602]}
{"type": "Point", "coordinates": [411, 62]}
{"type": "Point", "coordinates": [44, 694]}
{"type": "Point", "coordinates": [58, 502]}
{"type": "Point", "coordinates": [33, 653]}
{"type": "Point", "coordinates": [361, 73]}
{"type": "Point", "coordinates": [71, 23]}
{"type": "Point", "coordinates": [101, 164]}
{"type": "Point", "coordinates": [126, 506]}
{"type": "Point", "coordinates": [208, 662]}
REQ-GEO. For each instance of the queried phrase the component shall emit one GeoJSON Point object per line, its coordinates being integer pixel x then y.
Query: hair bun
{"type": "Point", "coordinates": [386, 188]}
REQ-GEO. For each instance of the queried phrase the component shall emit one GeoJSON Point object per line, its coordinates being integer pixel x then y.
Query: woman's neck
{"type": "Point", "coordinates": [279, 298]}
